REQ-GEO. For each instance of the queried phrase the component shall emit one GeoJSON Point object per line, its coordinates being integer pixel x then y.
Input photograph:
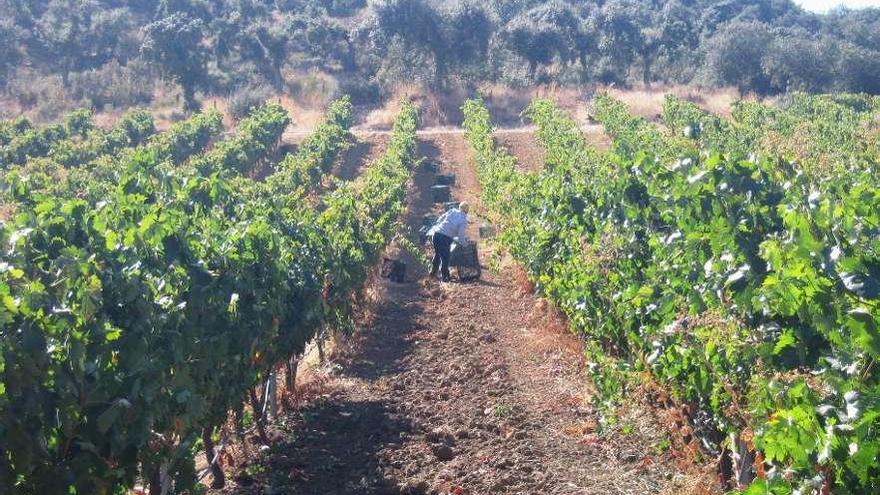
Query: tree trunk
{"type": "Point", "coordinates": [646, 71]}
{"type": "Point", "coordinates": [533, 68]}
{"type": "Point", "coordinates": [189, 98]}
{"type": "Point", "coordinates": [155, 480]}
{"type": "Point", "coordinates": [213, 464]}
{"type": "Point", "coordinates": [258, 417]}
{"type": "Point", "coordinates": [65, 74]}
{"type": "Point", "coordinates": [439, 71]}
{"type": "Point", "coordinates": [292, 366]}
{"type": "Point", "coordinates": [320, 344]}
{"type": "Point", "coordinates": [158, 479]}
{"type": "Point", "coordinates": [349, 63]}
{"type": "Point", "coordinates": [238, 421]}
{"type": "Point", "coordinates": [277, 75]}
{"type": "Point", "coordinates": [270, 400]}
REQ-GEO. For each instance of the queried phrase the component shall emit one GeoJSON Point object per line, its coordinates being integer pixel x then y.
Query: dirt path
{"type": "Point", "coordinates": [459, 389]}
{"type": "Point", "coordinates": [360, 154]}
{"type": "Point", "coordinates": [296, 135]}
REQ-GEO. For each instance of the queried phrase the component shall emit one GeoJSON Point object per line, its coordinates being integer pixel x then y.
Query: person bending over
{"type": "Point", "coordinates": [451, 225]}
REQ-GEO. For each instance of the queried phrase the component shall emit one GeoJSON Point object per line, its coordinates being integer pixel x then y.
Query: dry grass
{"type": "Point", "coordinates": [554, 334]}
{"type": "Point", "coordinates": [309, 92]}
{"type": "Point", "coordinates": [311, 89]}
{"type": "Point", "coordinates": [304, 116]}
{"type": "Point", "coordinates": [595, 135]}
{"type": "Point", "coordinates": [9, 109]}
{"type": "Point", "coordinates": [7, 211]}
{"type": "Point", "coordinates": [648, 102]}
{"type": "Point", "coordinates": [107, 119]}
{"type": "Point", "coordinates": [506, 104]}
{"type": "Point", "coordinates": [436, 109]}
{"type": "Point", "coordinates": [382, 118]}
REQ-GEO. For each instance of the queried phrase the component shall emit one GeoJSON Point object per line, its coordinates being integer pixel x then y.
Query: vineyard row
{"type": "Point", "coordinates": [146, 300]}
{"type": "Point", "coordinates": [745, 285]}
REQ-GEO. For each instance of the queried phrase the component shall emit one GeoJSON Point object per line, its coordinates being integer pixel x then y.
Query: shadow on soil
{"type": "Point", "coordinates": [333, 448]}
{"type": "Point", "coordinates": [331, 444]}
{"type": "Point", "coordinates": [353, 159]}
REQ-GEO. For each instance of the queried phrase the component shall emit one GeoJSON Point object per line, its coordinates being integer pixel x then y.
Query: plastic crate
{"type": "Point", "coordinates": [445, 180]}
{"type": "Point", "coordinates": [440, 194]}
{"type": "Point", "coordinates": [466, 261]}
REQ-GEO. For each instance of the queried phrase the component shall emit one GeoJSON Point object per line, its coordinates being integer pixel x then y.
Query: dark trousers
{"type": "Point", "coordinates": [442, 246]}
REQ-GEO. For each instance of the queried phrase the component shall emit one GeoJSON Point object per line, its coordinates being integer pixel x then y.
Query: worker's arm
{"type": "Point", "coordinates": [462, 231]}
{"type": "Point", "coordinates": [441, 219]}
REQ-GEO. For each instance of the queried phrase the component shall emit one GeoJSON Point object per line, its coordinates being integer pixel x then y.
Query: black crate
{"type": "Point", "coordinates": [445, 180]}
{"type": "Point", "coordinates": [429, 220]}
{"type": "Point", "coordinates": [440, 194]}
{"type": "Point", "coordinates": [466, 261]}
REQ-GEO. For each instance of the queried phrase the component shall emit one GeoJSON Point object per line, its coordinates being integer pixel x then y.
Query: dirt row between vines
{"type": "Point", "coordinates": [459, 389]}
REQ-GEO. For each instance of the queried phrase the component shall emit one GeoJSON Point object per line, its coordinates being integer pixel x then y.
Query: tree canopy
{"type": "Point", "coordinates": [764, 46]}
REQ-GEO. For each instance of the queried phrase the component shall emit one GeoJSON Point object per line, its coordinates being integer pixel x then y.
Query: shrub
{"type": "Point", "coordinates": [32, 90]}
{"type": "Point", "coordinates": [361, 90]}
{"type": "Point", "coordinates": [344, 8]}
{"type": "Point", "coordinates": [114, 85]}
{"type": "Point", "coordinates": [241, 102]}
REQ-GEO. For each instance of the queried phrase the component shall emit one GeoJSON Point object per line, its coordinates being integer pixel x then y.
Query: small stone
{"type": "Point", "coordinates": [443, 452]}
{"type": "Point", "coordinates": [492, 368]}
{"type": "Point", "coordinates": [440, 435]}
{"type": "Point", "coordinates": [414, 488]}
{"type": "Point", "coordinates": [502, 483]}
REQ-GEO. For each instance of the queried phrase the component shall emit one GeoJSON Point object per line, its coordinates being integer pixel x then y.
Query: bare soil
{"type": "Point", "coordinates": [360, 154]}
{"type": "Point", "coordinates": [473, 388]}
{"type": "Point", "coordinates": [525, 147]}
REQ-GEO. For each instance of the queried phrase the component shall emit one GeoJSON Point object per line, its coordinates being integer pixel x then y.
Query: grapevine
{"type": "Point", "coordinates": [133, 325]}
{"type": "Point", "coordinates": [746, 288]}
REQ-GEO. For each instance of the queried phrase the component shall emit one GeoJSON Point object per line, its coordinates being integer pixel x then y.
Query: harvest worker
{"type": "Point", "coordinates": [450, 226]}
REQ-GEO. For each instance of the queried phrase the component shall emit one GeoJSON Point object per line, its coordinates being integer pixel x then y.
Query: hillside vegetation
{"type": "Point", "coordinates": [97, 53]}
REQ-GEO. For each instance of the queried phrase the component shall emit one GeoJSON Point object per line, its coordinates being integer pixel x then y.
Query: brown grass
{"type": "Point", "coordinates": [7, 211]}
{"type": "Point", "coordinates": [648, 102]}
{"type": "Point", "coordinates": [506, 104]}
{"type": "Point", "coordinates": [312, 89]}
{"type": "Point", "coordinates": [9, 109]}
{"type": "Point", "coordinates": [436, 108]}
{"type": "Point", "coordinates": [595, 135]}
{"type": "Point", "coordinates": [382, 118]}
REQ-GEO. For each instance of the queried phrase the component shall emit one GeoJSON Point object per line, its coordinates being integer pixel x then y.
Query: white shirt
{"type": "Point", "coordinates": [452, 224]}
